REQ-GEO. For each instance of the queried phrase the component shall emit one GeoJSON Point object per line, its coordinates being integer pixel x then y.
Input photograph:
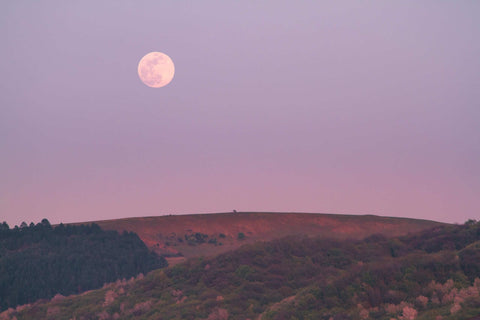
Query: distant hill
{"type": "Point", "coordinates": [430, 275]}
{"type": "Point", "coordinates": [210, 234]}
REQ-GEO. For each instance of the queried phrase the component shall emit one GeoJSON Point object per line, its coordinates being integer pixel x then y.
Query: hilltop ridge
{"type": "Point", "coordinates": [213, 233]}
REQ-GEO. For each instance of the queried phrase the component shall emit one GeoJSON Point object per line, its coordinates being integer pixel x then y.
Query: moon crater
{"type": "Point", "coordinates": [156, 69]}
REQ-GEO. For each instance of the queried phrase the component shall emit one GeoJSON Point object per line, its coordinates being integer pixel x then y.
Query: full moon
{"type": "Point", "coordinates": [156, 69]}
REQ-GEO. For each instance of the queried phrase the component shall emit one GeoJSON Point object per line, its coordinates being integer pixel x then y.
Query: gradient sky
{"type": "Point", "coordinates": [313, 106]}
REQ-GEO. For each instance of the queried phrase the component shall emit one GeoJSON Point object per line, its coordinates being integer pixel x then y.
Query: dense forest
{"type": "Point", "coordinates": [39, 261]}
{"type": "Point", "coordinates": [430, 275]}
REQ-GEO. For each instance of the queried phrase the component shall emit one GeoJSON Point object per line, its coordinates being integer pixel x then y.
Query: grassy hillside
{"type": "Point", "coordinates": [429, 275]}
{"type": "Point", "coordinates": [210, 234]}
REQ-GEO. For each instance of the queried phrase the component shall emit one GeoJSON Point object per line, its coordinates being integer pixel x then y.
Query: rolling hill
{"type": "Point", "coordinates": [184, 236]}
{"type": "Point", "coordinates": [429, 275]}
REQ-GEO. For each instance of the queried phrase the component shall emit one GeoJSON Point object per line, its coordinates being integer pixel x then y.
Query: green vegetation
{"type": "Point", "coordinates": [196, 238]}
{"type": "Point", "coordinates": [39, 261]}
{"type": "Point", "coordinates": [430, 275]}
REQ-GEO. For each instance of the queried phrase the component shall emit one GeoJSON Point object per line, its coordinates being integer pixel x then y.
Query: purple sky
{"type": "Point", "coordinates": [312, 106]}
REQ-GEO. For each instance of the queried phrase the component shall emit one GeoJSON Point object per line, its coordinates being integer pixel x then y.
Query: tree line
{"type": "Point", "coordinates": [39, 261]}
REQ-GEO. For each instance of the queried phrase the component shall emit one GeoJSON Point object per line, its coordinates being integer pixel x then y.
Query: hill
{"type": "Point", "coordinates": [210, 234]}
{"type": "Point", "coordinates": [430, 275]}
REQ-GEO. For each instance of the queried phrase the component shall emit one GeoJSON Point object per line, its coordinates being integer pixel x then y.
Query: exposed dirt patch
{"type": "Point", "coordinates": [175, 260]}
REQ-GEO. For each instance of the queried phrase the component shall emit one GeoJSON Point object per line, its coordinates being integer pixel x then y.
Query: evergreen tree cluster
{"type": "Point", "coordinates": [39, 261]}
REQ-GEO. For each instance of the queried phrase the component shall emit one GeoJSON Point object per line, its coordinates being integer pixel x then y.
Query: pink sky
{"type": "Point", "coordinates": [344, 107]}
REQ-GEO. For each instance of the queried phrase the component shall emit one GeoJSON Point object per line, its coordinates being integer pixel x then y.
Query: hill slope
{"type": "Point", "coordinates": [209, 234]}
{"type": "Point", "coordinates": [425, 276]}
